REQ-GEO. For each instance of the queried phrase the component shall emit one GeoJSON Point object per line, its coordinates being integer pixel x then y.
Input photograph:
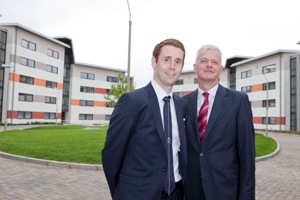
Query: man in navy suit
{"type": "Point", "coordinates": [222, 165]}
{"type": "Point", "coordinates": [136, 157]}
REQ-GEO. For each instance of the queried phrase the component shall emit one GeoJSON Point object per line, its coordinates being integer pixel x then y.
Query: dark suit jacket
{"type": "Point", "coordinates": [225, 160]}
{"type": "Point", "coordinates": [134, 158]}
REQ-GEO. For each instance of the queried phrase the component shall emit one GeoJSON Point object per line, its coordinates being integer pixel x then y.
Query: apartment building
{"type": "Point", "coordinates": [270, 80]}
{"type": "Point", "coordinates": [88, 85]}
{"type": "Point", "coordinates": [41, 82]}
{"type": "Point", "coordinates": [33, 75]}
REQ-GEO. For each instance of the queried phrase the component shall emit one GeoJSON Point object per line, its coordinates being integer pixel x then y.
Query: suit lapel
{"type": "Point", "coordinates": [180, 118]}
{"type": "Point", "coordinates": [193, 112]}
{"type": "Point", "coordinates": [155, 112]}
{"type": "Point", "coordinates": [218, 106]}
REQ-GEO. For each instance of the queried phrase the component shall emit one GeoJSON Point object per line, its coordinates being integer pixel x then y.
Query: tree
{"type": "Point", "coordinates": [116, 91]}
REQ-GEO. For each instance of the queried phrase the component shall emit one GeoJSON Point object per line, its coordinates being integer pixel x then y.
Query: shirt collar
{"type": "Point", "coordinates": [160, 93]}
{"type": "Point", "coordinates": [211, 92]}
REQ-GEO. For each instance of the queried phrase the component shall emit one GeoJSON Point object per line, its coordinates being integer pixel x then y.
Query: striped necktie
{"type": "Point", "coordinates": [202, 117]}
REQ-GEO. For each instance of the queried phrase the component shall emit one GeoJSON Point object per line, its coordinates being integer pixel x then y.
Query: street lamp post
{"type": "Point", "coordinates": [56, 112]}
{"type": "Point", "coordinates": [129, 50]}
{"type": "Point", "coordinates": [7, 99]}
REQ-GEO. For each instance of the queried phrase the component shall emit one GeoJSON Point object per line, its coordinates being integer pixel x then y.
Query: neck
{"type": "Point", "coordinates": [206, 86]}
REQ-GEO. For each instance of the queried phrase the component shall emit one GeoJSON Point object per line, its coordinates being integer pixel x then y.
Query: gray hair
{"type": "Point", "coordinates": [208, 47]}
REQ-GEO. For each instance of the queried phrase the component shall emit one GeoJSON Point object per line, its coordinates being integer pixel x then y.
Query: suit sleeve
{"type": "Point", "coordinates": [246, 148]}
{"type": "Point", "coordinates": [121, 125]}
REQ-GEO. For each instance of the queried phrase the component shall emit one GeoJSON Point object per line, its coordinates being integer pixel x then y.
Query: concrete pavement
{"type": "Point", "coordinates": [277, 178]}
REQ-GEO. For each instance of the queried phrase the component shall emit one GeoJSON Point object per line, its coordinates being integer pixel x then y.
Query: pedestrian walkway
{"type": "Point", "coordinates": [277, 178]}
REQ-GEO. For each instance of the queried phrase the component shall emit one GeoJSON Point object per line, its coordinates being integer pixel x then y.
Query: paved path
{"type": "Point", "coordinates": [277, 178]}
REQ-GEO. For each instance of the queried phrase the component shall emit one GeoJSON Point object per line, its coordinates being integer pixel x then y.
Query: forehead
{"type": "Point", "coordinates": [169, 50]}
{"type": "Point", "coordinates": [209, 53]}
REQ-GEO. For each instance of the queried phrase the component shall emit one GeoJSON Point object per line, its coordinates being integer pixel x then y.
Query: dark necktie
{"type": "Point", "coordinates": [202, 117]}
{"type": "Point", "coordinates": [169, 185]}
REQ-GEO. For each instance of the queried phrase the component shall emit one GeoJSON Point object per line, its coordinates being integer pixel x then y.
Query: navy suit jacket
{"type": "Point", "coordinates": [134, 158]}
{"type": "Point", "coordinates": [225, 160]}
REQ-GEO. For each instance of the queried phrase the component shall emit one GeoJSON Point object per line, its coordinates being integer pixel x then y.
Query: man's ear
{"type": "Point", "coordinates": [153, 62]}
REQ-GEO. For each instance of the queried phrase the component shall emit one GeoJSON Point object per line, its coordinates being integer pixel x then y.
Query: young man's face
{"type": "Point", "coordinates": [168, 66]}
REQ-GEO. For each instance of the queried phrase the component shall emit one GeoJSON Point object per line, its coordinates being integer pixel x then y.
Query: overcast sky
{"type": "Point", "coordinates": [99, 28]}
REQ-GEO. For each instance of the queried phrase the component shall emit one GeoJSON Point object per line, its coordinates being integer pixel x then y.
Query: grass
{"type": "Point", "coordinates": [74, 144]}
{"type": "Point", "coordinates": [263, 145]}
{"type": "Point", "coordinates": [60, 143]}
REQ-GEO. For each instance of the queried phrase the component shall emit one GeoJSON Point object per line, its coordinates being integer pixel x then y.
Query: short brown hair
{"type": "Point", "coordinates": [172, 42]}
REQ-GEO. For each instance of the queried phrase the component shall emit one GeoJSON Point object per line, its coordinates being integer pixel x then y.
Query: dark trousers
{"type": "Point", "coordinates": [177, 194]}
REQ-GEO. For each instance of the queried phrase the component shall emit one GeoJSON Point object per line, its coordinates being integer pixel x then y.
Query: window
{"type": "Point", "coordinates": [246, 74]}
{"type": "Point", "coordinates": [246, 89]}
{"type": "Point", "coordinates": [51, 100]}
{"type": "Point", "coordinates": [269, 69]}
{"type": "Point", "coordinates": [85, 116]}
{"type": "Point", "coordinates": [112, 79]}
{"type": "Point", "coordinates": [27, 62]}
{"type": "Point", "coordinates": [25, 97]}
{"type": "Point", "coordinates": [86, 89]}
{"type": "Point", "coordinates": [51, 84]}
{"type": "Point", "coordinates": [86, 103]}
{"type": "Point", "coordinates": [66, 73]}
{"type": "Point", "coordinates": [52, 69]}
{"type": "Point", "coordinates": [24, 115]}
{"type": "Point", "coordinates": [196, 80]}
{"type": "Point", "coordinates": [48, 115]}
{"type": "Point", "coordinates": [107, 117]}
{"type": "Point", "coordinates": [28, 45]}
{"type": "Point", "coordinates": [85, 75]}
{"type": "Point", "coordinates": [26, 79]}
{"type": "Point", "coordinates": [271, 120]}
{"type": "Point", "coordinates": [179, 82]}
{"type": "Point", "coordinates": [53, 53]}
{"type": "Point", "coordinates": [271, 86]}
{"type": "Point", "coordinates": [271, 103]}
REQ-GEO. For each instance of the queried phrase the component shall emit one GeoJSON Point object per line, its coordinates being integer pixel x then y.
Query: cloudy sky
{"type": "Point", "coordinates": [99, 28]}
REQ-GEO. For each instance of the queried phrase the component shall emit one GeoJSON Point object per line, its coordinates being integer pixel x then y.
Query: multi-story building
{"type": "Point", "coordinates": [89, 84]}
{"type": "Point", "coordinates": [41, 82]}
{"type": "Point", "coordinates": [270, 80]}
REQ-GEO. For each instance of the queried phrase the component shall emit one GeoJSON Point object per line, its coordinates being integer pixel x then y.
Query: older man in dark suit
{"type": "Point", "coordinates": [221, 149]}
{"type": "Point", "coordinates": [145, 156]}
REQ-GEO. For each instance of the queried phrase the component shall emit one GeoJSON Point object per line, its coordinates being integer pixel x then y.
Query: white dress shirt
{"type": "Point", "coordinates": [160, 93]}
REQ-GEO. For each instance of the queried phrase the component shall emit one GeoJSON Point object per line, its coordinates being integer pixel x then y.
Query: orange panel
{"type": "Point", "coordinates": [100, 90]}
{"type": "Point", "coordinates": [75, 102]}
{"type": "Point", "coordinates": [99, 103]}
{"type": "Point", "coordinates": [282, 120]}
{"type": "Point", "coordinates": [11, 77]}
{"type": "Point", "coordinates": [37, 115]}
{"type": "Point", "coordinates": [12, 114]}
{"type": "Point", "coordinates": [257, 120]}
{"type": "Point", "coordinates": [58, 115]}
{"type": "Point", "coordinates": [59, 86]}
{"type": "Point", "coordinates": [256, 88]}
{"type": "Point", "coordinates": [39, 82]}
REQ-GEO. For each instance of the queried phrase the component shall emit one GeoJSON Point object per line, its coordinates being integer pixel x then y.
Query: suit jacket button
{"type": "Point", "coordinates": [201, 154]}
{"type": "Point", "coordinates": [163, 169]}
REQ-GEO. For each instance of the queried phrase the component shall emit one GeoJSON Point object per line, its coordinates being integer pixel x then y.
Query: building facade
{"type": "Point", "coordinates": [88, 85]}
{"type": "Point", "coordinates": [40, 81]}
{"type": "Point", "coordinates": [270, 80]}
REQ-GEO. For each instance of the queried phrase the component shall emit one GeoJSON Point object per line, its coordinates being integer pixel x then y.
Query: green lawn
{"type": "Point", "coordinates": [264, 145]}
{"type": "Point", "coordinates": [74, 144]}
